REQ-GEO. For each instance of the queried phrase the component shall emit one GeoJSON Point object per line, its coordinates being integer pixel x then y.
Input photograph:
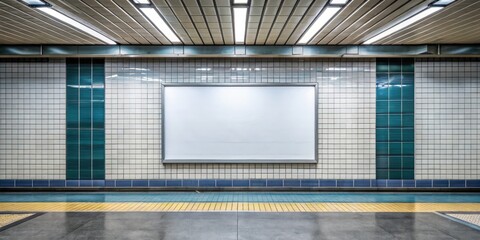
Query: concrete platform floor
{"type": "Point", "coordinates": [238, 225]}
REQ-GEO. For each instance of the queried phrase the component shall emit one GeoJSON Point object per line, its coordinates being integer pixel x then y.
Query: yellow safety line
{"type": "Point", "coordinates": [234, 207]}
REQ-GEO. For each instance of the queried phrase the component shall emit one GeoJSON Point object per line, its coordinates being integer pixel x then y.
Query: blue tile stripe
{"type": "Point", "coordinates": [395, 132]}
{"type": "Point", "coordinates": [243, 183]}
{"type": "Point", "coordinates": [85, 121]}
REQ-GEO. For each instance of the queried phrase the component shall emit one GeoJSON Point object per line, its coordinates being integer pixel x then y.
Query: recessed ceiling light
{"type": "Point", "coordinates": [240, 23]}
{"type": "Point", "coordinates": [340, 2]}
{"type": "Point", "coordinates": [442, 2]}
{"type": "Point", "coordinates": [415, 18]}
{"type": "Point", "coordinates": [74, 23]}
{"type": "Point", "coordinates": [323, 19]}
{"type": "Point", "coordinates": [142, 1]}
{"type": "Point", "coordinates": [35, 3]}
{"type": "Point", "coordinates": [157, 20]}
{"type": "Point", "coordinates": [240, 1]}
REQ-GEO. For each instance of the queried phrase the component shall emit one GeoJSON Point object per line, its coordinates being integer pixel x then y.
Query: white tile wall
{"type": "Point", "coordinates": [32, 119]}
{"type": "Point", "coordinates": [447, 119]}
{"type": "Point", "coordinates": [346, 115]}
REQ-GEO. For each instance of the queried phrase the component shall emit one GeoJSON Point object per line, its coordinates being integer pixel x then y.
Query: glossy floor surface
{"type": "Point", "coordinates": [249, 226]}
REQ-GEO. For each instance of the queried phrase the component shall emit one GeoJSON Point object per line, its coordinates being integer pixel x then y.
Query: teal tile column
{"type": "Point", "coordinates": [395, 118]}
{"type": "Point", "coordinates": [85, 119]}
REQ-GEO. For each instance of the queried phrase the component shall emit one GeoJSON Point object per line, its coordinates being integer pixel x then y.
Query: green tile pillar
{"type": "Point", "coordinates": [395, 118]}
{"type": "Point", "coordinates": [85, 119]}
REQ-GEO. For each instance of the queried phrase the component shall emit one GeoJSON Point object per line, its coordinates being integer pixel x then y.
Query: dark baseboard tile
{"type": "Point", "coordinates": [246, 183]}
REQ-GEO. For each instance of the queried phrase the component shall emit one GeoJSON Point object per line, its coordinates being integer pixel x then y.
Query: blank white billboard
{"type": "Point", "coordinates": [239, 123]}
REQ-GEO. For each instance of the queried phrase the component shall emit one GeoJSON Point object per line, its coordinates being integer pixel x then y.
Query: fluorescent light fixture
{"type": "Point", "coordinates": [240, 1]}
{"type": "Point", "coordinates": [35, 3]}
{"type": "Point", "coordinates": [339, 2]}
{"type": "Point", "coordinates": [161, 25]}
{"type": "Point", "coordinates": [74, 23]}
{"type": "Point", "coordinates": [240, 23]}
{"type": "Point", "coordinates": [404, 24]}
{"type": "Point", "coordinates": [142, 1]}
{"type": "Point", "coordinates": [442, 2]}
{"type": "Point", "coordinates": [323, 19]}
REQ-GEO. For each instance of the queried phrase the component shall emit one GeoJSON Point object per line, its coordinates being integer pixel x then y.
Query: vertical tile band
{"type": "Point", "coordinates": [85, 119]}
{"type": "Point", "coordinates": [395, 118]}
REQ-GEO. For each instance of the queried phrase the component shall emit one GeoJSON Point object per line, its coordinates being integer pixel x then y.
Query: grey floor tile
{"type": "Point", "coordinates": [244, 225]}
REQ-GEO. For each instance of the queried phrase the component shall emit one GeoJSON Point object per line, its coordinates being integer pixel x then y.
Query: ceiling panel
{"type": "Point", "coordinates": [460, 22]}
{"type": "Point", "coordinates": [270, 22]}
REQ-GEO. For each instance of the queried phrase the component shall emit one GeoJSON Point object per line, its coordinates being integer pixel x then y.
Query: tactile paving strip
{"type": "Point", "coordinates": [7, 219]}
{"type": "Point", "coordinates": [471, 218]}
{"type": "Point", "coordinates": [236, 207]}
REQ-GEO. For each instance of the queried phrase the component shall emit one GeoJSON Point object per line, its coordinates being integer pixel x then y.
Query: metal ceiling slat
{"type": "Point", "coordinates": [190, 3]}
{"type": "Point", "coordinates": [223, 10]}
{"type": "Point", "coordinates": [368, 20]}
{"type": "Point", "coordinates": [15, 36]}
{"type": "Point", "coordinates": [7, 36]}
{"type": "Point", "coordinates": [373, 11]}
{"type": "Point", "coordinates": [167, 12]}
{"type": "Point", "coordinates": [209, 22]}
{"type": "Point", "coordinates": [26, 32]}
{"type": "Point", "coordinates": [385, 20]}
{"type": "Point", "coordinates": [308, 17]}
{"type": "Point", "coordinates": [179, 11]}
{"type": "Point", "coordinates": [251, 36]}
{"type": "Point", "coordinates": [184, 18]}
{"type": "Point", "coordinates": [176, 3]}
{"type": "Point", "coordinates": [86, 14]}
{"type": "Point", "coordinates": [468, 30]}
{"type": "Point", "coordinates": [38, 21]}
{"type": "Point", "coordinates": [288, 28]}
{"type": "Point", "coordinates": [210, 25]}
{"type": "Point", "coordinates": [217, 16]}
{"type": "Point", "coordinates": [7, 39]}
{"type": "Point", "coordinates": [45, 34]}
{"type": "Point", "coordinates": [222, 3]}
{"type": "Point", "coordinates": [272, 34]}
{"type": "Point", "coordinates": [471, 36]}
{"type": "Point", "coordinates": [136, 20]}
{"type": "Point", "coordinates": [160, 3]}
{"type": "Point", "coordinates": [361, 8]}
{"type": "Point", "coordinates": [467, 34]}
{"type": "Point", "coordinates": [454, 20]}
{"type": "Point", "coordinates": [124, 19]}
{"type": "Point", "coordinates": [197, 19]}
{"type": "Point", "coordinates": [469, 24]}
{"type": "Point", "coordinates": [288, 21]}
{"type": "Point", "coordinates": [48, 24]}
{"type": "Point", "coordinates": [348, 11]}
{"type": "Point", "coordinates": [266, 23]}
{"type": "Point", "coordinates": [106, 9]}
{"type": "Point", "coordinates": [227, 30]}
{"type": "Point", "coordinates": [208, 11]}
